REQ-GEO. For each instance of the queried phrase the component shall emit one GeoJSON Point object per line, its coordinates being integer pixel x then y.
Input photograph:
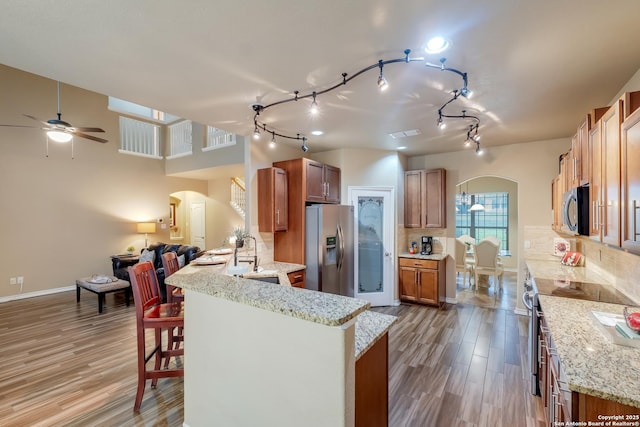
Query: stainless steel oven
{"type": "Point", "coordinates": [530, 300]}
{"type": "Point", "coordinates": [575, 211]}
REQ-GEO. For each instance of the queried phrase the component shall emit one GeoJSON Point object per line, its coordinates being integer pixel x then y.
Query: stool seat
{"type": "Point", "coordinates": [103, 288]}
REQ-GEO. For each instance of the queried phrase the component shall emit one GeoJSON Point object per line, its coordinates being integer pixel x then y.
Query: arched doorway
{"type": "Point", "coordinates": [487, 206]}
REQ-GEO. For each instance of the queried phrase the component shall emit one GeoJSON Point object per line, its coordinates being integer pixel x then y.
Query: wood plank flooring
{"type": "Point", "coordinates": [63, 364]}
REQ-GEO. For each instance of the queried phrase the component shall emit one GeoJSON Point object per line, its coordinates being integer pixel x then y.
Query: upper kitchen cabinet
{"type": "Point", "coordinates": [630, 168]}
{"type": "Point", "coordinates": [595, 182]}
{"type": "Point", "coordinates": [610, 189]}
{"type": "Point", "coordinates": [323, 182]}
{"type": "Point", "coordinates": [425, 199]}
{"type": "Point", "coordinates": [272, 200]}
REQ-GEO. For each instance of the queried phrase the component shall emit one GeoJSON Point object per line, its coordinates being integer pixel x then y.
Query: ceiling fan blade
{"type": "Point", "coordinates": [37, 120]}
{"type": "Point", "coordinates": [21, 126]}
{"type": "Point", "coordinates": [91, 137]}
{"type": "Point", "coordinates": [81, 129]}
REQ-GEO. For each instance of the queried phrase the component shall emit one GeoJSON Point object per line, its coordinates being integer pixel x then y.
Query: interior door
{"type": "Point", "coordinates": [374, 236]}
{"type": "Point", "coordinates": [197, 216]}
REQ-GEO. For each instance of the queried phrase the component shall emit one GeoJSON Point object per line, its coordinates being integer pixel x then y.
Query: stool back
{"type": "Point", "coordinates": [170, 263]}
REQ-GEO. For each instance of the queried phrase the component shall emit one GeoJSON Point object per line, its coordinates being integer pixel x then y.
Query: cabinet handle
{"type": "Point", "coordinates": [635, 217]}
{"type": "Point", "coordinates": [594, 219]}
{"type": "Point", "coordinates": [278, 216]}
{"type": "Point", "coordinates": [327, 189]}
{"type": "Point", "coordinates": [298, 276]}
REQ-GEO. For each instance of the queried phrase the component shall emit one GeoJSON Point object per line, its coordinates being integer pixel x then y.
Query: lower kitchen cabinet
{"type": "Point", "coordinates": [372, 391]}
{"type": "Point", "coordinates": [422, 280]}
{"type": "Point", "coordinates": [297, 278]}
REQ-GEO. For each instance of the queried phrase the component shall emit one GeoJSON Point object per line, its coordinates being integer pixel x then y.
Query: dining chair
{"type": "Point", "coordinates": [170, 265]}
{"type": "Point", "coordinates": [463, 264]}
{"type": "Point", "coordinates": [465, 238]}
{"type": "Point", "coordinates": [152, 314]}
{"type": "Point", "coordinates": [487, 262]}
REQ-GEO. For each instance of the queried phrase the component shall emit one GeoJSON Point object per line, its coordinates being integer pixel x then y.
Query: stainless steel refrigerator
{"type": "Point", "coordinates": [329, 248]}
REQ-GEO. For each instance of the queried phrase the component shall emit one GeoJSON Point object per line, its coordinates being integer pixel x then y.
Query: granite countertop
{"type": "Point", "coordinates": [435, 257]}
{"type": "Point", "coordinates": [550, 268]}
{"type": "Point", "coordinates": [592, 363]}
{"type": "Point", "coordinates": [370, 327]}
{"type": "Point", "coordinates": [319, 307]}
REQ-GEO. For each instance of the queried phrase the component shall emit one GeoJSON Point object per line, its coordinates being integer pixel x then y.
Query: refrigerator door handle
{"type": "Point", "coordinates": [340, 247]}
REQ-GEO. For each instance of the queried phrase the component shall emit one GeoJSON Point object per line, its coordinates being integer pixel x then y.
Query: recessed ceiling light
{"type": "Point", "coordinates": [401, 148]}
{"type": "Point", "coordinates": [436, 45]}
{"type": "Point", "coordinates": [317, 132]}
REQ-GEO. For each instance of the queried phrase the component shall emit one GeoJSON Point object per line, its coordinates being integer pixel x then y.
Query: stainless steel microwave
{"type": "Point", "coordinates": [575, 211]}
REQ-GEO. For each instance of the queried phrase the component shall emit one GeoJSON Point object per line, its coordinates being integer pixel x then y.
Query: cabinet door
{"type": "Point", "coordinates": [412, 199]}
{"type": "Point", "coordinates": [631, 182]}
{"type": "Point", "coordinates": [583, 146]}
{"type": "Point", "coordinates": [408, 284]}
{"type": "Point", "coordinates": [332, 184]}
{"type": "Point", "coordinates": [435, 200]}
{"type": "Point", "coordinates": [315, 181]}
{"type": "Point", "coordinates": [610, 134]}
{"type": "Point", "coordinates": [272, 200]}
{"type": "Point", "coordinates": [280, 200]}
{"type": "Point", "coordinates": [556, 202]}
{"type": "Point", "coordinates": [428, 286]}
{"type": "Point", "coordinates": [574, 160]}
{"type": "Point", "coordinates": [595, 182]}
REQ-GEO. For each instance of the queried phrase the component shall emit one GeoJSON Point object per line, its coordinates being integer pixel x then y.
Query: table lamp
{"type": "Point", "coordinates": [146, 228]}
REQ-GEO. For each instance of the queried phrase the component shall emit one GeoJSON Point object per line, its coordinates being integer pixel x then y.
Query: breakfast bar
{"type": "Point", "coordinates": [260, 353]}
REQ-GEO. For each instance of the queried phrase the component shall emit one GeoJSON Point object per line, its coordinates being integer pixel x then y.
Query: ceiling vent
{"type": "Point", "coordinates": [405, 133]}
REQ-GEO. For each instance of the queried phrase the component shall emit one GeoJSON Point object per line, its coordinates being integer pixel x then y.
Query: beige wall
{"type": "Point", "coordinates": [62, 218]}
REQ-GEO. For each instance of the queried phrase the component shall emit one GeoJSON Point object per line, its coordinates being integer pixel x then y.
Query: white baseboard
{"type": "Point", "coordinates": [451, 300]}
{"type": "Point", "coordinates": [36, 293]}
{"type": "Point", "coordinates": [396, 303]}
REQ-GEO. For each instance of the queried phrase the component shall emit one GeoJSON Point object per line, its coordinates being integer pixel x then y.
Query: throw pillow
{"type": "Point", "coordinates": [147, 256]}
{"type": "Point", "coordinates": [181, 260]}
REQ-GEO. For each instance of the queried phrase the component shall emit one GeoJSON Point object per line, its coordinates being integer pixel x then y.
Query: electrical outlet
{"type": "Point", "coordinates": [13, 281]}
{"type": "Point", "coordinates": [20, 280]}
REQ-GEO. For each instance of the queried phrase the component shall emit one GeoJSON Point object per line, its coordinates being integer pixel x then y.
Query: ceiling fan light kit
{"type": "Point", "coordinates": [382, 83]}
{"type": "Point", "coordinates": [60, 131]}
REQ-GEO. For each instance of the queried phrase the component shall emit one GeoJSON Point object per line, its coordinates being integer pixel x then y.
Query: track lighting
{"type": "Point", "coordinates": [314, 105]}
{"type": "Point", "coordinates": [479, 150]}
{"type": "Point", "coordinates": [382, 82]}
{"type": "Point", "coordinates": [272, 144]}
{"type": "Point", "coordinates": [382, 85]}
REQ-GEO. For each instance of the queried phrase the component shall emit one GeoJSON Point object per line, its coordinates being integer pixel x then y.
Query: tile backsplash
{"type": "Point", "coordinates": [619, 266]}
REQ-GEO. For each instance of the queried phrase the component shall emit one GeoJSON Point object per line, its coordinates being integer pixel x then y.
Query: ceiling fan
{"type": "Point", "coordinates": [60, 131]}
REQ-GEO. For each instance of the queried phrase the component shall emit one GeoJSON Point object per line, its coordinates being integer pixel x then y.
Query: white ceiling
{"type": "Point", "coordinates": [536, 67]}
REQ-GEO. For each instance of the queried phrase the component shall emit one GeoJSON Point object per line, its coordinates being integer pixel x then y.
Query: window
{"type": "Point", "coordinates": [180, 139]}
{"type": "Point", "coordinates": [492, 221]}
{"type": "Point", "coordinates": [218, 138]}
{"type": "Point", "coordinates": [139, 138]}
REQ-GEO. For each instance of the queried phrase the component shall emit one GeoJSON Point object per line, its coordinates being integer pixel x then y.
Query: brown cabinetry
{"type": "Point", "coordinates": [422, 281]}
{"type": "Point", "coordinates": [323, 182]}
{"type": "Point", "coordinates": [297, 278]}
{"type": "Point", "coordinates": [610, 189]}
{"type": "Point", "coordinates": [306, 180]}
{"type": "Point", "coordinates": [595, 182]}
{"type": "Point", "coordinates": [272, 200]}
{"type": "Point", "coordinates": [425, 199]}
{"type": "Point", "coordinates": [630, 168]}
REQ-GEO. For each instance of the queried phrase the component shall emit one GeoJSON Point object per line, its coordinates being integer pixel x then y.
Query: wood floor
{"type": "Point", "coordinates": [63, 364]}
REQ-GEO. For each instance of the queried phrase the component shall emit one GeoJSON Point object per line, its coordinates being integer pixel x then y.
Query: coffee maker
{"type": "Point", "coordinates": [427, 245]}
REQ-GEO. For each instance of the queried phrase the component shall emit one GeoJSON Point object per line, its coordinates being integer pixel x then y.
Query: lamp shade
{"type": "Point", "coordinates": [146, 227]}
{"type": "Point", "coordinates": [475, 207]}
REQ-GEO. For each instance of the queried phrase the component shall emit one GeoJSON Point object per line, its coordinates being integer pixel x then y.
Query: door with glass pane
{"type": "Point", "coordinates": [374, 248]}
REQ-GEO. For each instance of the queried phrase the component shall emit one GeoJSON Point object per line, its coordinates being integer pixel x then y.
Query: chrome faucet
{"type": "Point", "coordinates": [255, 254]}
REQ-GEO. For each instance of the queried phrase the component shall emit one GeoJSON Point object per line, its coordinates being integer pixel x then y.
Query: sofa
{"type": "Point", "coordinates": [184, 252]}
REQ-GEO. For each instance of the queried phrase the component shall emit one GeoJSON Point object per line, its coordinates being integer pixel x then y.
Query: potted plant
{"type": "Point", "coordinates": [130, 250]}
{"type": "Point", "coordinates": [240, 234]}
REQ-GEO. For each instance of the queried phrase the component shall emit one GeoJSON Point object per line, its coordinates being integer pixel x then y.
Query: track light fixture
{"type": "Point", "coordinates": [314, 105]}
{"type": "Point", "coordinates": [472, 133]}
{"type": "Point", "coordinates": [272, 144]}
{"type": "Point", "coordinates": [382, 82]}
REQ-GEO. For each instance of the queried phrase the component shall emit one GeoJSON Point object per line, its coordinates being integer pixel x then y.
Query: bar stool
{"type": "Point", "coordinates": [170, 265]}
{"type": "Point", "coordinates": [152, 314]}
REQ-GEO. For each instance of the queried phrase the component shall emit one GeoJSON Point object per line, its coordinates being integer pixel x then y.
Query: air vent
{"type": "Point", "coordinates": [405, 133]}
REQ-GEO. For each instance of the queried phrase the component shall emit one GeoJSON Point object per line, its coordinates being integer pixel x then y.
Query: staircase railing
{"type": "Point", "coordinates": [238, 195]}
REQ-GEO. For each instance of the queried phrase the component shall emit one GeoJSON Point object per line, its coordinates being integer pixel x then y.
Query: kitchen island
{"type": "Point", "coordinates": [260, 353]}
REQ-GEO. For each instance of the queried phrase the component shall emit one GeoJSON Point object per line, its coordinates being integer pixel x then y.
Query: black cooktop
{"type": "Point", "coordinates": [581, 290]}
